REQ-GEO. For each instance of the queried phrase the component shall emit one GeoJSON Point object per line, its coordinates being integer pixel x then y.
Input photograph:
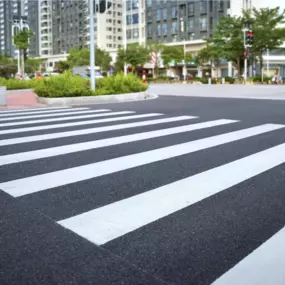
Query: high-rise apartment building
{"type": "Point", "coordinates": [178, 20]}
{"type": "Point", "coordinates": [10, 11]}
{"type": "Point", "coordinates": [135, 21]}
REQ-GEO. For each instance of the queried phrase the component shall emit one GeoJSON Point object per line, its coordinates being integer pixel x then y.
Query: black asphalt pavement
{"type": "Point", "coordinates": [195, 242]}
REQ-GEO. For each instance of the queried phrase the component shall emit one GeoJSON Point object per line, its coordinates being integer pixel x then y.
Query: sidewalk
{"type": "Point", "coordinates": [21, 99]}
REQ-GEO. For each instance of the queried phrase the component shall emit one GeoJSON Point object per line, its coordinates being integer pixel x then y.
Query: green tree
{"type": "Point", "coordinates": [227, 41]}
{"type": "Point", "coordinates": [268, 34]}
{"type": "Point", "coordinates": [32, 65]}
{"type": "Point", "coordinates": [103, 59]}
{"type": "Point", "coordinates": [22, 42]}
{"type": "Point", "coordinates": [156, 48]}
{"type": "Point", "coordinates": [81, 57]}
{"type": "Point", "coordinates": [172, 54]}
{"type": "Point", "coordinates": [135, 55]}
{"type": "Point", "coordinates": [62, 66]}
{"type": "Point", "coordinates": [78, 57]}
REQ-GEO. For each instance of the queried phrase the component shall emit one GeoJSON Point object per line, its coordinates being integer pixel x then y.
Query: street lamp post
{"type": "Point", "coordinates": [124, 6]}
{"type": "Point", "coordinates": [92, 44]}
{"type": "Point", "coordinates": [20, 24]}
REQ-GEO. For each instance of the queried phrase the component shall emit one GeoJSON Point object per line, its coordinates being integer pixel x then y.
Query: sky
{"type": "Point", "coordinates": [271, 3]}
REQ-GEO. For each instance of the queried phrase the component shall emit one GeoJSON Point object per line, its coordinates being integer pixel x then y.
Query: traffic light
{"type": "Point", "coordinates": [103, 6]}
{"type": "Point", "coordinates": [249, 38]}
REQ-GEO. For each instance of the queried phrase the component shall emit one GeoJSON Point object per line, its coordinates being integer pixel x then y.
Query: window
{"type": "Point", "coordinates": [159, 30]}
{"type": "Point", "coordinates": [191, 9]}
{"type": "Point", "coordinates": [129, 19]}
{"type": "Point", "coordinates": [135, 4]}
{"type": "Point", "coordinates": [220, 5]}
{"type": "Point", "coordinates": [191, 24]}
{"type": "Point", "coordinates": [203, 23]}
{"type": "Point", "coordinates": [164, 29]}
{"type": "Point", "coordinates": [149, 30]}
{"type": "Point", "coordinates": [174, 12]}
{"type": "Point", "coordinates": [149, 3]}
{"type": "Point", "coordinates": [129, 34]}
{"type": "Point", "coordinates": [135, 33]}
{"type": "Point", "coordinates": [135, 18]}
{"type": "Point", "coordinates": [158, 15]}
{"type": "Point", "coordinates": [164, 13]}
{"type": "Point", "coordinates": [203, 6]}
{"type": "Point", "coordinates": [129, 5]}
{"type": "Point", "coordinates": [174, 28]}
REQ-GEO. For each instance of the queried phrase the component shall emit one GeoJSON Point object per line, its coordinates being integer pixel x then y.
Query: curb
{"type": "Point", "coordinates": [104, 99]}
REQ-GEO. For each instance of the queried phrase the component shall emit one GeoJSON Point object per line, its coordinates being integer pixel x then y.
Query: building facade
{"type": "Point", "coordinates": [176, 20]}
{"type": "Point", "coordinates": [10, 11]}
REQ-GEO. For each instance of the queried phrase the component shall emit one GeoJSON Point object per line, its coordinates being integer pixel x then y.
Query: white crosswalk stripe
{"type": "Point", "coordinates": [31, 155]}
{"type": "Point", "coordinates": [262, 267]}
{"type": "Point", "coordinates": [42, 182]}
{"type": "Point", "coordinates": [68, 118]}
{"type": "Point", "coordinates": [124, 215]}
{"type": "Point", "coordinates": [15, 111]}
{"type": "Point", "coordinates": [46, 112]}
{"type": "Point", "coordinates": [119, 218]}
{"type": "Point", "coordinates": [85, 123]}
{"type": "Point", "coordinates": [70, 112]}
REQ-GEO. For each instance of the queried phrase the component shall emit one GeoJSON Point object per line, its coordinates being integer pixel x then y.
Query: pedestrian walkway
{"type": "Point", "coordinates": [21, 99]}
{"type": "Point", "coordinates": [137, 184]}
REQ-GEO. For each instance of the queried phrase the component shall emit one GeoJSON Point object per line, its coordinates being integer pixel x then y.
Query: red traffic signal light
{"type": "Point", "coordinates": [249, 37]}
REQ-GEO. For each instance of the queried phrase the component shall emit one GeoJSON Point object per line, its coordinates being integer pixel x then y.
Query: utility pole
{"type": "Point", "coordinates": [20, 24]}
{"type": "Point", "coordinates": [124, 6]}
{"type": "Point", "coordinates": [92, 44]}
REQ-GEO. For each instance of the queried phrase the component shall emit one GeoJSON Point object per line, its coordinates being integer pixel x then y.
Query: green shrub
{"type": "Point", "coordinates": [65, 85]}
{"type": "Point", "coordinates": [229, 79]}
{"type": "Point", "coordinates": [119, 84]}
{"type": "Point", "coordinates": [258, 78]}
{"type": "Point", "coordinates": [14, 84]}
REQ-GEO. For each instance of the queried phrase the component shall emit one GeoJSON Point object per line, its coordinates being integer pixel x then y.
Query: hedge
{"type": "Point", "coordinates": [67, 85]}
{"type": "Point", "coordinates": [14, 84]}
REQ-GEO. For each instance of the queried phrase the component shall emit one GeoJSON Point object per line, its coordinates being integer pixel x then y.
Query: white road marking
{"type": "Point", "coordinates": [65, 149]}
{"type": "Point", "coordinates": [42, 182]}
{"type": "Point", "coordinates": [67, 118]}
{"type": "Point", "coordinates": [30, 109]}
{"type": "Point", "coordinates": [46, 112]}
{"type": "Point", "coordinates": [263, 266]}
{"type": "Point", "coordinates": [45, 116]}
{"type": "Point", "coordinates": [98, 129]}
{"type": "Point", "coordinates": [81, 123]}
{"type": "Point", "coordinates": [114, 220]}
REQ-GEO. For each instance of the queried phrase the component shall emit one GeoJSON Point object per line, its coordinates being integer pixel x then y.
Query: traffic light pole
{"type": "Point", "coordinates": [92, 45]}
{"type": "Point", "coordinates": [245, 58]}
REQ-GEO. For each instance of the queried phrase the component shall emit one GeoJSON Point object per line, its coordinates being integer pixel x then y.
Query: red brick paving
{"type": "Point", "coordinates": [21, 99]}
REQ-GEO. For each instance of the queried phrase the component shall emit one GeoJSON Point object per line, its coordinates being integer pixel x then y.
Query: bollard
{"type": "Point", "coordinates": [223, 81]}
{"type": "Point", "coordinates": [3, 96]}
{"type": "Point", "coordinates": [209, 81]}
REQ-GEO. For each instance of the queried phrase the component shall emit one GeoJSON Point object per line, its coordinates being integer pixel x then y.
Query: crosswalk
{"type": "Point", "coordinates": [139, 140]}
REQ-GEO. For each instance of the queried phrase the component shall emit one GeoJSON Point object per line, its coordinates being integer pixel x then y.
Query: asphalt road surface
{"type": "Point", "coordinates": [177, 190]}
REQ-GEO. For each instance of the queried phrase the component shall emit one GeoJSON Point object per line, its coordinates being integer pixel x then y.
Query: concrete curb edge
{"type": "Point", "coordinates": [104, 99]}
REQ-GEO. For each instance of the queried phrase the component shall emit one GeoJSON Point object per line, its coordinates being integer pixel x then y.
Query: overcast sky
{"type": "Point", "coordinates": [272, 3]}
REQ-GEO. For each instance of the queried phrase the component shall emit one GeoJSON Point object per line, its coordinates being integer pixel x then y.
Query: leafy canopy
{"type": "Point", "coordinates": [22, 39]}
{"type": "Point", "coordinates": [172, 53]}
{"type": "Point", "coordinates": [135, 55]}
{"type": "Point", "coordinates": [81, 57]}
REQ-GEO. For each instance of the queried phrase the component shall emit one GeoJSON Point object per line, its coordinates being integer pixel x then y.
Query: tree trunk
{"type": "Point", "coordinates": [238, 66]}
{"type": "Point", "coordinates": [261, 63]}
